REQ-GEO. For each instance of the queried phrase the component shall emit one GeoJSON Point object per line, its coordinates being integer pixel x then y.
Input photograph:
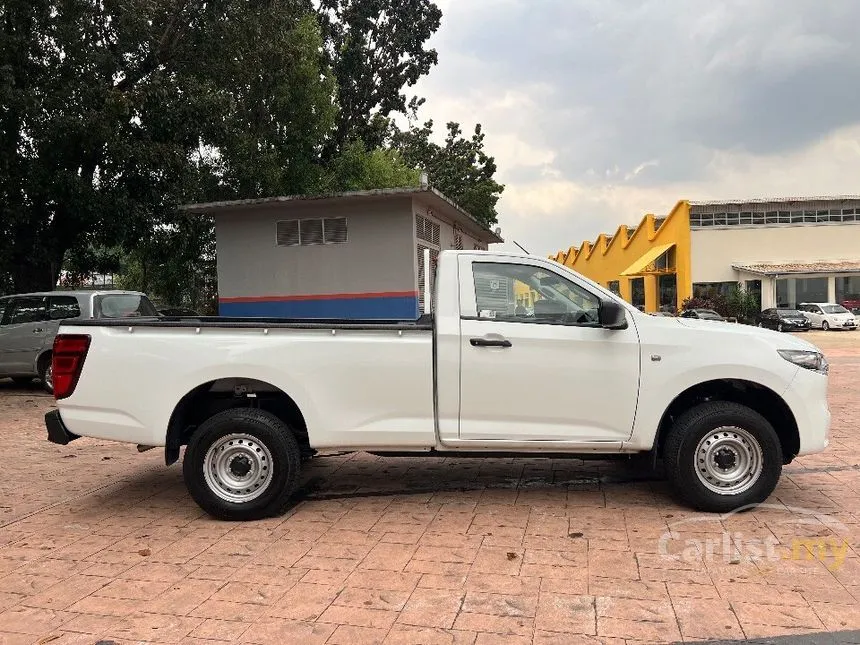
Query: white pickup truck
{"type": "Point", "coordinates": [724, 406]}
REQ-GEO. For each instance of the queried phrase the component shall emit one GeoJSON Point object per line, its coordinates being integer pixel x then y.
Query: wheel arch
{"type": "Point", "coordinates": [217, 395]}
{"type": "Point", "coordinates": [43, 359]}
{"type": "Point", "coordinates": [753, 395]}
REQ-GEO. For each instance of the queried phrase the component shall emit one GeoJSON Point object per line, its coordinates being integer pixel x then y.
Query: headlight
{"type": "Point", "coordinates": [814, 361]}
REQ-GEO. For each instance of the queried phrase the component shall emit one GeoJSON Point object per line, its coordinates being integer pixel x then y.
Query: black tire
{"type": "Point", "coordinates": [264, 428]}
{"type": "Point", "coordinates": [45, 368]}
{"type": "Point", "coordinates": [825, 326]}
{"type": "Point", "coordinates": [682, 462]}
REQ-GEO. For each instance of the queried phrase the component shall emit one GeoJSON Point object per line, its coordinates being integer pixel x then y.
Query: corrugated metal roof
{"type": "Point", "coordinates": [424, 191]}
{"type": "Point", "coordinates": [774, 200]}
{"type": "Point", "coordinates": [783, 268]}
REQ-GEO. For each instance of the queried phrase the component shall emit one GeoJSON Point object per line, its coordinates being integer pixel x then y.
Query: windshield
{"type": "Point", "coordinates": [712, 315]}
{"type": "Point", "coordinates": [123, 305]}
{"type": "Point", "coordinates": [791, 313]}
{"type": "Point", "coordinates": [834, 309]}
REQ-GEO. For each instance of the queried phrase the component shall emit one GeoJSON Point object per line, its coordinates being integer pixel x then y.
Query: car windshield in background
{"type": "Point", "coordinates": [124, 305]}
{"type": "Point", "coordinates": [790, 313]}
{"type": "Point", "coordinates": [834, 309]}
{"type": "Point", "coordinates": [710, 315]}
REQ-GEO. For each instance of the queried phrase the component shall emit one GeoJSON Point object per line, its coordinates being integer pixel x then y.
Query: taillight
{"type": "Point", "coordinates": [67, 360]}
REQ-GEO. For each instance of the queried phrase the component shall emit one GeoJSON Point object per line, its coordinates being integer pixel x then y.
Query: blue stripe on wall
{"type": "Point", "coordinates": [387, 308]}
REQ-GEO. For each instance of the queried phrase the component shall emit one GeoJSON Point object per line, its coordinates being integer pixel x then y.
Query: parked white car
{"type": "Point", "coordinates": [828, 315]}
{"type": "Point", "coordinates": [724, 406]}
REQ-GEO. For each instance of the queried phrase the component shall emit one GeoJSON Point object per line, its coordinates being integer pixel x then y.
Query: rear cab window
{"type": "Point", "coordinates": [123, 305]}
{"type": "Point", "coordinates": [63, 308]}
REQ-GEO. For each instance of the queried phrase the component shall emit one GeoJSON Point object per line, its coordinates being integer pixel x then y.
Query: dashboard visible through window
{"type": "Point", "coordinates": [511, 292]}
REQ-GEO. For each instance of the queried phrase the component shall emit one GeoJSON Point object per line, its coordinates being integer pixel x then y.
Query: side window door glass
{"type": "Point", "coordinates": [26, 310]}
{"type": "Point", "coordinates": [531, 294]}
{"type": "Point", "coordinates": [63, 307]}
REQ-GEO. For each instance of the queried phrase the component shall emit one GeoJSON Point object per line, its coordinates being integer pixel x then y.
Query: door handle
{"type": "Point", "coordinates": [488, 342]}
{"type": "Point", "coordinates": [38, 330]}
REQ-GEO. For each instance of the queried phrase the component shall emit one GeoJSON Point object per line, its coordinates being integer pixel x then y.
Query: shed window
{"type": "Point", "coordinates": [288, 233]}
{"type": "Point", "coordinates": [427, 230]}
{"type": "Point", "coordinates": [334, 230]}
{"type": "Point", "coordinates": [312, 232]}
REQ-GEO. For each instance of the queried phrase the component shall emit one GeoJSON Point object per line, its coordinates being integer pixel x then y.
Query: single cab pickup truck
{"type": "Point", "coordinates": [513, 355]}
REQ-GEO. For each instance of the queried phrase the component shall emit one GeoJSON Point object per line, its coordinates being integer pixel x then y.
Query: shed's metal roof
{"type": "Point", "coordinates": [427, 193]}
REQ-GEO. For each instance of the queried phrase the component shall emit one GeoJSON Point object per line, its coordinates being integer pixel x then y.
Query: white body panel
{"type": "Point", "coordinates": [559, 387]}
{"type": "Point", "coordinates": [354, 388]}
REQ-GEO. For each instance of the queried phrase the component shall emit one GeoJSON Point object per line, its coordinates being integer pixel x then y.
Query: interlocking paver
{"type": "Point", "coordinates": [105, 544]}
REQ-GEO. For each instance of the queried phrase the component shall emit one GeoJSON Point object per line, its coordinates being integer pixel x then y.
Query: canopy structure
{"type": "Point", "coordinates": [641, 266]}
{"type": "Point", "coordinates": [788, 268]}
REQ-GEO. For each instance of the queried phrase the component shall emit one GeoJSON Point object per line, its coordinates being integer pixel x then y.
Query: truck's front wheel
{"type": "Point", "coordinates": [721, 456]}
{"type": "Point", "coordinates": [242, 464]}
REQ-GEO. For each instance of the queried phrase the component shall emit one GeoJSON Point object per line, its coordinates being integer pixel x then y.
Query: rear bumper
{"type": "Point", "coordinates": [57, 430]}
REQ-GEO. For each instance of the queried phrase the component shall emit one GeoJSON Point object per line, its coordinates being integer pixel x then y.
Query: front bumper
{"type": "Point", "coordinates": [807, 399]}
{"type": "Point", "coordinates": [57, 430]}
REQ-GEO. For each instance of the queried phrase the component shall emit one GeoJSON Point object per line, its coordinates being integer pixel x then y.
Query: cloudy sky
{"type": "Point", "coordinates": [599, 111]}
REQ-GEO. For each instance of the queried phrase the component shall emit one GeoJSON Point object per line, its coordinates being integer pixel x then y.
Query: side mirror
{"type": "Point", "coordinates": [612, 315]}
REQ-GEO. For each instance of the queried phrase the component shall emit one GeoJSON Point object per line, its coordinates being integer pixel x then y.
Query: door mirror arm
{"type": "Point", "coordinates": [612, 315]}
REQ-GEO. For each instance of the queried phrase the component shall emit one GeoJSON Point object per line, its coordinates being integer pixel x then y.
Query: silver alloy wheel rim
{"type": "Point", "coordinates": [729, 460]}
{"type": "Point", "coordinates": [238, 468]}
{"type": "Point", "coordinates": [49, 377]}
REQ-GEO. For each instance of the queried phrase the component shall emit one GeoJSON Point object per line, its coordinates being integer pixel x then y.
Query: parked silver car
{"type": "Point", "coordinates": [29, 322]}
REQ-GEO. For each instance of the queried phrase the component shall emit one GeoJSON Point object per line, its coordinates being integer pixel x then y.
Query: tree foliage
{"type": "Point", "coordinates": [738, 303]}
{"type": "Point", "coordinates": [460, 168]}
{"type": "Point", "coordinates": [375, 48]}
{"type": "Point", "coordinates": [114, 112]}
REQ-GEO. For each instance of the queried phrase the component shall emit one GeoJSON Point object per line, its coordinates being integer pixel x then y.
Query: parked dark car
{"type": "Point", "coordinates": [702, 314]}
{"type": "Point", "coordinates": [784, 320]}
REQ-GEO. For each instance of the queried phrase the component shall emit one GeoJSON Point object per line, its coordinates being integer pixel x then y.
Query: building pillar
{"type": "Point", "coordinates": [625, 289]}
{"type": "Point", "coordinates": [768, 293]}
{"type": "Point", "coordinates": [831, 288]}
{"type": "Point", "coordinates": [792, 292]}
{"type": "Point", "coordinates": [652, 296]}
{"type": "Point", "coordinates": [684, 290]}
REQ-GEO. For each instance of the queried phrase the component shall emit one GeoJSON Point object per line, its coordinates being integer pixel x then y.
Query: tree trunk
{"type": "Point", "coordinates": [35, 275]}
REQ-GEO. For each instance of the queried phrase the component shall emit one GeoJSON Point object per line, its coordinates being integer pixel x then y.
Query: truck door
{"type": "Point", "coordinates": [535, 363]}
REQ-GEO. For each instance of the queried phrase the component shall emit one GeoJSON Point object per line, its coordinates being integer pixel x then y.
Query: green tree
{"type": "Point", "coordinates": [376, 48]}
{"type": "Point", "coordinates": [109, 106]}
{"type": "Point", "coordinates": [356, 168]}
{"type": "Point", "coordinates": [460, 168]}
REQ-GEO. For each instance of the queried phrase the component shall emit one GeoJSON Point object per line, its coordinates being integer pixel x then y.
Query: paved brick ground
{"type": "Point", "coordinates": [99, 542]}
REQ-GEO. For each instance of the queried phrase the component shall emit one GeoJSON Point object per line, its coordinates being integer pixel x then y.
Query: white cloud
{"type": "Point", "coordinates": [598, 112]}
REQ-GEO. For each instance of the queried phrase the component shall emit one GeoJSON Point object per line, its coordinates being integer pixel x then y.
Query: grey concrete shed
{"type": "Point", "coordinates": [354, 255]}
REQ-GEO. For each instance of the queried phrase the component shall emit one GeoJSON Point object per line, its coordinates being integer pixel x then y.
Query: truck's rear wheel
{"type": "Point", "coordinates": [242, 464]}
{"type": "Point", "coordinates": [721, 456]}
